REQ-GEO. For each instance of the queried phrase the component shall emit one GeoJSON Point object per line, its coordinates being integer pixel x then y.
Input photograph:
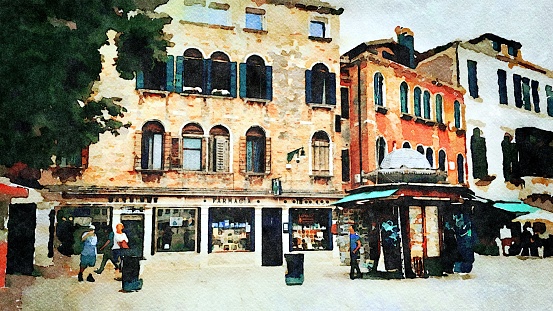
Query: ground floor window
{"type": "Point", "coordinates": [232, 229]}
{"type": "Point", "coordinates": [72, 219]}
{"type": "Point", "coordinates": [176, 229]}
{"type": "Point", "coordinates": [311, 229]}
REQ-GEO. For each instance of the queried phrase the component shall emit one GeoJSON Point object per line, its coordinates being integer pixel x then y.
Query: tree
{"type": "Point", "coordinates": [50, 59]}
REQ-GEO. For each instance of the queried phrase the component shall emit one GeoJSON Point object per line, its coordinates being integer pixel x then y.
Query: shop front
{"type": "Point", "coordinates": [310, 229]}
{"type": "Point", "coordinates": [176, 229]}
{"type": "Point", "coordinates": [231, 229]}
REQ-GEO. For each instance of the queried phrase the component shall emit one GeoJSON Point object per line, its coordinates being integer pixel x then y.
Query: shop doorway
{"type": "Point", "coordinates": [271, 237]}
{"type": "Point", "coordinates": [134, 228]}
{"type": "Point", "coordinates": [21, 238]}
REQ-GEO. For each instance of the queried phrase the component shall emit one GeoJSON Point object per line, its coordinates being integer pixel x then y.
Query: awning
{"type": "Point", "coordinates": [365, 196]}
{"type": "Point", "coordinates": [13, 191]}
{"type": "Point", "coordinates": [516, 207]}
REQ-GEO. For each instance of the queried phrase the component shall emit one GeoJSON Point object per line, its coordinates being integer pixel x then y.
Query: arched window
{"type": "Point", "coordinates": [457, 114]}
{"type": "Point", "coordinates": [426, 101]}
{"type": "Point", "coordinates": [430, 156]}
{"type": "Point", "coordinates": [439, 109]}
{"type": "Point", "coordinates": [255, 79]}
{"type": "Point", "coordinates": [152, 146]}
{"type": "Point", "coordinates": [255, 150]}
{"type": "Point", "coordinates": [460, 169]}
{"type": "Point", "coordinates": [193, 71]}
{"type": "Point", "coordinates": [478, 154]}
{"type": "Point", "coordinates": [406, 145]}
{"type": "Point", "coordinates": [219, 153]}
{"type": "Point", "coordinates": [192, 147]}
{"type": "Point", "coordinates": [320, 145]}
{"type": "Point", "coordinates": [442, 160]}
{"type": "Point", "coordinates": [380, 150]}
{"type": "Point", "coordinates": [320, 85]}
{"type": "Point", "coordinates": [222, 79]}
{"type": "Point", "coordinates": [417, 101]}
{"type": "Point", "coordinates": [378, 89]}
{"type": "Point", "coordinates": [404, 97]}
{"type": "Point", "coordinates": [420, 149]}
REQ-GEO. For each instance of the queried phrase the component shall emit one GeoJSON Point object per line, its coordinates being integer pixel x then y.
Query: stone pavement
{"type": "Point", "coordinates": [496, 283]}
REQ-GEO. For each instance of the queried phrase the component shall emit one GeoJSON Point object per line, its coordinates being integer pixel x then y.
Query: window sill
{"type": "Point", "coordinates": [208, 25]}
{"type": "Point", "coordinates": [460, 132]}
{"type": "Point", "coordinates": [257, 31]}
{"type": "Point", "coordinates": [148, 171]}
{"type": "Point", "coordinates": [442, 126]}
{"type": "Point", "coordinates": [406, 117]}
{"type": "Point", "coordinates": [147, 92]}
{"type": "Point", "coordinates": [206, 96]}
{"type": "Point", "coordinates": [420, 120]}
{"type": "Point", "coordinates": [319, 39]}
{"type": "Point", "coordinates": [252, 174]}
{"type": "Point", "coordinates": [256, 100]}
{"type": "Point", "coordinates": [321, 176]}
{"type": "Point", "coordinates": [430, 122]}
{"type": "Point", "coordinates": [318, 105]}
{"type": "Point", "coordinates": [381, 109]}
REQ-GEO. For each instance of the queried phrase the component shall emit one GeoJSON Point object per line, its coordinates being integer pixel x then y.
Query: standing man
{"type": "Point", "coordinates": [354, 246]}
{"type": "Point", "coordinates": [88, 255]}
{"type": "Point", "coordinates": [106, 249]}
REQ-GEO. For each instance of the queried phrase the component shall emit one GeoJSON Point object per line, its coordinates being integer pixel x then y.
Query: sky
{"type": "Point", "coordinates": [437, 22]}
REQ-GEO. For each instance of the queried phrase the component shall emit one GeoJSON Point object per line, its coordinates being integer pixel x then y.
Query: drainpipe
{"type": "Point", "coordinates": [359, 122]}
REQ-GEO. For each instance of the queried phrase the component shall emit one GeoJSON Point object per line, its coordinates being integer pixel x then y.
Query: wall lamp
{"type": "Point", "coordinates": [295, 154]}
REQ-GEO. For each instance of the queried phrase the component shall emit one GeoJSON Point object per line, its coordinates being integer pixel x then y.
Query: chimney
{"type": "Point", "coordinates": [406, 38]}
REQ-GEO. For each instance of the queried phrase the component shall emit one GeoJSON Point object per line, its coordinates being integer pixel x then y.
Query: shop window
{"type": "Point", "coordinates": [192, 147]}
{"type": "Point", "coordinates": [472, 78]}
{"type": "Point", "coordinates": [310, 229]}
{"type": "Point", "coordinates": [317, 29]}
{"type": "Point", "coordinates": [430, 156]}
{"type": "Point", "coordinates": [426, 102]}
{"type": "Point", "coordinates": [404, 97]}
{"type": "Point", "coordinates": [457, 114]}
{"type": "Point", "coordinates": [378, 89]}
{"type": "Point", "coordinates": [320, 85]}
{"type": "Point", "coordinates": [152, 146]}
{"type": "Point", "coordinates": [380, 150]}
{"type": "Point", "coordinates": [256, 79]}
{"type": "Point", "coordinates": [219, 142]}
{"type": "Point", "coordinates": [231, 229]}
{"type": "Point", "coordinates": [442, 160]}
{"type": "Point", "coordinates": [222, 75]}
{"type": "Point", "coordinates": [478, 154]}
{"type": "Point", "coordinates": [255, 153]}
{"type": "Point", "coordinates": [345, 165]}
{"type": "Point", "coordinates": [417, 101]}
{"type": "Point", "coordinates": [526, 94]}
{"type": "Point", "coordinates": [159, 77]}
{"type": "Point", "coordinates": [320, 145]}
{"type": "Point", "coordinates": [406, 145]}
{"type": "Point", "coordinates": [536, 95]}
{"type": "Point", "coordinates": [517, 89]}
{"type": "Point", "coordinates": [344, 101]}
{"type": "Point", "coordinates": [176, 230]}
{"type": "Point", "coordinates": [192, 71]}
{"type": "Point", "coordinates": [439, 109]}
{"type": "Point", "coordinates": [535, 152]}
{"type": "Point", "coordinates": [549, 94]}
{"type": "Point", "coordinates": [255, 18]}
{"type": "Point", "coordinates": [502, 83]}
{"type": "Point", "coordinates": [460, 169]}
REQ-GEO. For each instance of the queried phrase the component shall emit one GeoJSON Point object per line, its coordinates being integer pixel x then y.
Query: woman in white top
{"type": "Point", "coordinates": [118, 237]}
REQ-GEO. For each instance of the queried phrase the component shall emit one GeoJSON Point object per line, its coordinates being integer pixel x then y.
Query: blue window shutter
{"type": "Point", "coordinates": [331, 89]}
{"type": "Point", "coordinates": [233, 79]}
{"type": "Point", "coordinates": [206, 89]}
{"type": "Point", "coordinates": [473, 78]}
{"type": "Point", "coordinates": [243, 80]}
{"type": "Point", "coordinates": [457, 114]}
{"type": "Point", "coordinates": [179, 74]}
{"type": "Point", "coordinates": [139, 80]}
{"type": "Point", "coordinates": [308, 86]}
{"type": "Point", "coordinates": [170, 86]}
{"type": "Point", "coordinates": [269, 80]}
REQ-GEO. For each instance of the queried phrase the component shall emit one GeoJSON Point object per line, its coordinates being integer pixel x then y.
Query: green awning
{"type": "Point", "coordinates": [516, 207]}
{"type": "Point", "coordinates": [365, 196]}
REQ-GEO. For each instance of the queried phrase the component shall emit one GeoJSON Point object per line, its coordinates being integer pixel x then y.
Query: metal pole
{"type": "Point", "coordinates": [359, 122]}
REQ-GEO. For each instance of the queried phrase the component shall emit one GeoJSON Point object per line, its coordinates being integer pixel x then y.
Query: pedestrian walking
{"type": "Point", "coordinates": [354, 246]}
{"type": "Point", "coordinates": [88, 254]}
{"type": "Point", "coordinates": [120, 241]}
{"type": "Point", "coordinates": [106, 249]}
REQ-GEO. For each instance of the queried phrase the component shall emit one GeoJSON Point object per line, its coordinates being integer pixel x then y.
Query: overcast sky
{"type": "Point", "coordinates": [437, 22]}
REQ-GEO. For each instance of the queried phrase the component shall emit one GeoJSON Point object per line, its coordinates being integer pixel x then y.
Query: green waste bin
{"type": "Point", "coordinates": [294, 269]}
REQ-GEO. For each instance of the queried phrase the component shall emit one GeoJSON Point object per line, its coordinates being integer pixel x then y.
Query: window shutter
{"type": "Point", "coordinates": [139, 80]}
{"type": "Point", "coordinates": [242, 152]}
{"type": "Point", "coordinates": [206, 90]}
{"type": "Point", "coordinates": [269, 80]}
{"type": "Point", "coordinates": [308, 86]}
{"type": "Point", "coordinates": [175, 153]}
{"type": "Point", "coordinates": [179, 74]}
{"type": "Point", "coordinates": [221, 154]}
{"type": "Point", "coordinates": [138, 150]}
{"type": "Point", "coordinates": [212, 154]}
{"type": "Point", "coordinates": [243, 80]}
{"type": "Point", "coordinates": [267, 155]}
{"type": "Point", "coordinates": [166, 154]}
{"type": "Point", "coordinates": [170, 87]}
{"type": "Point", "coordinates": [84, 157]}
{"type": "Point", "coordinates": [233, 79]}
{"type": "Point", "coordinates": [331, 89]}
{"type": "Point", "coordinates": [337, 123]}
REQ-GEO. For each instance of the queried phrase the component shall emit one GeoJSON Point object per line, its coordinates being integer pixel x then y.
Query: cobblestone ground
{"type": "Point", "coordinates": [496, 283]}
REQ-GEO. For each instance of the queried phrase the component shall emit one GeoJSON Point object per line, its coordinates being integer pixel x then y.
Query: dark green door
{"type": "Point", "coordinates": [271, 237]}
{"type": "Point", "coordinates": [134, 228]}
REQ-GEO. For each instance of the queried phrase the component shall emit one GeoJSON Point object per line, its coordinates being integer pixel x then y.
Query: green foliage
{"type": "Point", "coordinates": [50, 59]}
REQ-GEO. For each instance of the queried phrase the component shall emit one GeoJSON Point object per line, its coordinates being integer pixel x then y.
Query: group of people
{"type": "Point", "coordinates": [111, 250]}
{"type": "Point", "coordinates": [527, 244]}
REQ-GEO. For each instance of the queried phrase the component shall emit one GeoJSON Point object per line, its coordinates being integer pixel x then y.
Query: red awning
{"type": "Point", "coordinates": [14, 192]}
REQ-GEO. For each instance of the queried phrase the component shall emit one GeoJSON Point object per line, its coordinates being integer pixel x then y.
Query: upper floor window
{"type": "Point", "coordinates": [417, 101]}
{"type": "Point", "coordinates": [404, 97]}
{"type": "Point", "coordinates": [478, 151]}
{"type": "Point", "coordinates": [420, 149]}
{"type": "Point", "coordinates": [344, 101]}
{"type": "Point", "coordinates": [502, 83]}
{"type": "Point", "coordinates": [321, 153]}
{"type": "Point", "coordinates": [192, 72]}
{"type": "Point", "coordinates": [439, 109]}
{"type": "Point", "coordinates": [213, 76]}
{"type": "Point", "coordinates": [222, 78]}
{"type": "Point", "coordinates": [378, 89]}
{"type": "Point", "coordinates": [152, 146]}
{"type": "Point", "coordinates": [426, 101]}
{"type": "Point", "coordinates": [457, 114]}
{"type": "Point", "coordinates": [317, 29]}
{"type": "Point", "coordinates": [158, 77]}
{"type": "Point", "coordinates": [442, 160]}
{"type": "Point", "coordinates": [256, 79]}
{"type": "Point", "coordinates": [219, 145]}
{"type": "Point", "coordinates": [512, 50]}
{"type": "Point", "coordinates": [517, 89]}
{"type": "Point", "coordinates": [526, 94]}
{"type": "Point", "coordinates": [320, 85]}
{"type": "Point", "coordinates": [536, 95]}
{"type": "Point", "coordinates": [219, 14]}
{"type": "Point", "coordinates": [255, 150]}
{"type": "Point", "coordinates": [496, 46]}
{"type": "Point", "coordinates": [192, 147]}
{"type": "Point", "coordinates": [472, 78]}
{"type": "Point", "coordinates": [380, 150]}
{"type": "Point", "coordinates": [255, 18]}
{"type": "Point", "coordinates": [430, 156]}
{"type": "Point", "coordinates": [406, 145]}
{"type": "Point", "coordinates": [549, 94]}
{"type": "Point", "coordinates": [460, 169]}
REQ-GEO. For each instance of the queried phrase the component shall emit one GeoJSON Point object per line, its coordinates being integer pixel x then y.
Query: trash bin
{"type": "Point", "coordinates": [294, 269]}
{"type": "Point", "coordinates": [130, 269]}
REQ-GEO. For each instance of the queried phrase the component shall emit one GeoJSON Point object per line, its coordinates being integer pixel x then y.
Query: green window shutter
{"type": "Point", "coordinates": [179, 74]}
{"type": "Point", "coordinates": [170, 86]}
{"type": "Point", "coordinates": [206, 89]}
{"type": "Point", "coordinates": [331, 89]}
{"type": "Point", "coordinates": [139, 80]}
{"type": "Point", "coordinates": [243, 79]}
{"type": "Point", "coordinates": [269, 81]}
{"type": "Point", "coordinates": [233, 79]}
{"type": "Point", "coordinates": [308, 86]}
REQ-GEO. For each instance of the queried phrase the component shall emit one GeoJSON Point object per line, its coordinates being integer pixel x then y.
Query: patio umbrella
{"type": "Point", "coordinates": [537, 216]}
